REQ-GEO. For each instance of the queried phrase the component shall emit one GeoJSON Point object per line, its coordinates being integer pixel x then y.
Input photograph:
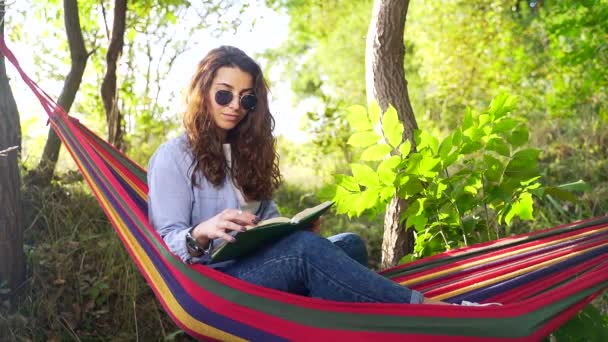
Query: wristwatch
{"type": "Point", "coordinates": [193, 245]}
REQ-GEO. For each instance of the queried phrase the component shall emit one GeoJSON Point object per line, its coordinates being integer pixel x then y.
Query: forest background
{"type": "Point", "coordinates": [543, 62]}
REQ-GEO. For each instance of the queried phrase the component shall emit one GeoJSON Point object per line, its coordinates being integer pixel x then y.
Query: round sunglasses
{"type": "Point", "coordinates": [247, 101]}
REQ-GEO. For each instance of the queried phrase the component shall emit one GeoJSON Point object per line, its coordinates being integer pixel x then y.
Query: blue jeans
{"type": "Point", "coordinates": [307, 264]}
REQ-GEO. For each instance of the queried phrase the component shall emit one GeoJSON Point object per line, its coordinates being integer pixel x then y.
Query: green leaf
{"type": "Point", "coordinates": [365, 175]}
{"type": "Point", "coordinates": [369, 198]}
{"type": "Point", "coordinates": [523, 208]}
{"type": "Point", "coordinates": [471, 147]}
{"type": "Point", "coordinates": [389, 163]}
{"type": "Point", "coordinates": [348, 204]}
{"type": "Point", "coordinates": [474, 133]}
{"type": "Point", "coordinates": [385, 170]}
{"type": "Point", "coordinates": [528, 153]}
{"type": "Point", "coordinates": [415, 215]}
{"type": "Point", "coordinates": [411, 187]}
{"type": "Point", "coordinates": [468, 119]}
{"type": "Point", "coordinates": [579, 185]}
{"type": "Point", "coordinates": [405, 148]}
{"type": "Point", "coordinates": [358, 119]}
{"type": "Point", "coordinates": [170, 17]}
{"type": "Point", "coordinates": [364, 139]}
{"type": "Point", "coordinates": [449, 160]}
{"type": "Point", "coordinates": [523, 165]}
{"type": "Point", "coordinates": [466, 202]}
{"type": "Point", "coordinates": [416, 207]}
{"type": "Point", "coordinates": [424, 139]}
{"type": "Point", "coordinates": [499, 146]}
{"type": "Point", "coordinates": [407, 258]}
{"type": "Point", "coordinates": [441, 187]}
{"type": "Point", "coordinates": [387, 176]}
{"type": "Point", "coordinates": [494, 168]}
{"type": "Point", "coordinates": [327, 192]}
{"type": "Point", "coordinates": [504, 125]}
{"type": "Point", "coordinates": [376, 152]}
{"type": "Point", "coordinates": [392, 127]}
{"type": "Point", "coordinates": [457, 137]}
{"type": "Point", "coordinates": [502, 104]}
{"type": "Point", "coordinates": [131, 33]}
{"type": "Point", "coordinates": [411, 163]}
{"type": "Point", "coordinates": [484, 119]}
{"type": "Point", "coordinates": [561, 194]}
{"type": "Point", "coordinates": [427, 166]}
{"type": "Point", "coordinates": [347, 182]}
{"type": "Point", "coordinates": [508, 186]}
{"type": "Point", "coordinates": [374, 112]}
{"type": "Point", "coordinates": [387, 193]}
{"type": "Point", "coordinates": [418, 222]}
{"type": "Point", "coordinates": [519, 136]}
{"type": "Point", "coordinates": [445, 147]}
{"type": "Point", "coordinates": [448, 215]}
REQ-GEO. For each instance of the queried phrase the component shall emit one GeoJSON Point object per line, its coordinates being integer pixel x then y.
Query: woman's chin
{"type": "Point", "coordinates": [227, 125]}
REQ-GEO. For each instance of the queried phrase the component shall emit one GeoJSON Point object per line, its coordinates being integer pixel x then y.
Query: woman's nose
{"type": "Point", "coordinates": [235, 103]}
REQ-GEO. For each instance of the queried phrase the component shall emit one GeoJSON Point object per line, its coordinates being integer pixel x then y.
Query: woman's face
{"type": "Point", "coordinates": [237, 82]}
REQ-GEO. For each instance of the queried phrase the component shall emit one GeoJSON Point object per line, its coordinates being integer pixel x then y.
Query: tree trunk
{"type": "Point", "coordinates": [386, 83]}
{"type": "Point", "coordinates": [12, 258]}
{"type": "Point", "coordinates": [46, 167]}
{"type": "Point", "coordinates": [109, 95]}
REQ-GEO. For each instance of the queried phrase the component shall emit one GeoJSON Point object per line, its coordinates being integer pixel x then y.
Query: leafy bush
{"type": "Point", "coordinates": [467, 187]}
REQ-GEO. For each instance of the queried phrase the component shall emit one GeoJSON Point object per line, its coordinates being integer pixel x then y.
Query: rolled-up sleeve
{"type": "Point", "coordinates": [170, 198]}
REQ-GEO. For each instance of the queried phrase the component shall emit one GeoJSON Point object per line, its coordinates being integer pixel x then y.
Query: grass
{"type": "Point", "coordinates": [81, 283]}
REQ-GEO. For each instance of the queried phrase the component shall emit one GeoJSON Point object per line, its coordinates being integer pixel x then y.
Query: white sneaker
{"type": "Point", "coordinates": [467, 303]}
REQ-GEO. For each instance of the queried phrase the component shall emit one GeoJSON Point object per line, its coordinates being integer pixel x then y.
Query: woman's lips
{"type": "Point", "coordinates": [231, 117]}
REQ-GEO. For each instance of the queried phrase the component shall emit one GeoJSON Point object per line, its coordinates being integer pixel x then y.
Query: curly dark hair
{"type": "Point", "coordinates": [255, 167]}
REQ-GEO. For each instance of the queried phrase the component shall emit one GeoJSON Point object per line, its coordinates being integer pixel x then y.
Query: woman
{"type": "Point", "coordinates": [220, 176]}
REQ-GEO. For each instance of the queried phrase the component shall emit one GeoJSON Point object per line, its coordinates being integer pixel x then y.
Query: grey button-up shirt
{"type": "Point", "coordinates": [175, 205]}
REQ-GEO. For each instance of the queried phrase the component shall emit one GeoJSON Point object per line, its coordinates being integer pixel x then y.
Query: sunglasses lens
{"type": "Point", "coordinates": [223, 97]}
{"type": "Point", "coordinates": [248, 102]}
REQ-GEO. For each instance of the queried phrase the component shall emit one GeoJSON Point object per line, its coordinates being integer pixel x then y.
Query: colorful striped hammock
{"type": "Point", "coordinates": [543, 278]}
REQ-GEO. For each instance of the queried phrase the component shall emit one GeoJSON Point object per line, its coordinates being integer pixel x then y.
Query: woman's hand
{"type": "Point", "coordinates": [221, 224]}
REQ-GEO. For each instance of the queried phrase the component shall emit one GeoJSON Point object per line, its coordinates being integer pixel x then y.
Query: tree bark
{"type": "Point", "coordinates": [12, 258]}
{"type": "Point", "coordinates": [109, 95]}
{"type": "Point", "coordinates": [78, 53]}
{"type": "Point", "coordinates": [386, 83]}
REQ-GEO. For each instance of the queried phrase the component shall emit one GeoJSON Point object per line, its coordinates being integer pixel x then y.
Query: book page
{"type": "Point", "coordinates": [309, 211]}
{"type": "Point", "coordinates": [270, 221]}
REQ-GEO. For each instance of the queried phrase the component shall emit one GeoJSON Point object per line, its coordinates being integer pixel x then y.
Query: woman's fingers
{"type": "Point", "coordinates": [223, 227]}
{"type": "Point", "coordinates": [225, 236]}
{"type": "Point", "coordinates": [241, 217]}
{"type": "Point", "coordinates": [229, 225]}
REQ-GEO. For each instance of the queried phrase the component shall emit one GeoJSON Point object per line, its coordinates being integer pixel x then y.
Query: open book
{"type": "Point", "coordinates": [266, 232]}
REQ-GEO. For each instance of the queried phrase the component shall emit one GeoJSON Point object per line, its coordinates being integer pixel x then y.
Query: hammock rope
{"type": "Point", "coordinates": [543, 278]}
